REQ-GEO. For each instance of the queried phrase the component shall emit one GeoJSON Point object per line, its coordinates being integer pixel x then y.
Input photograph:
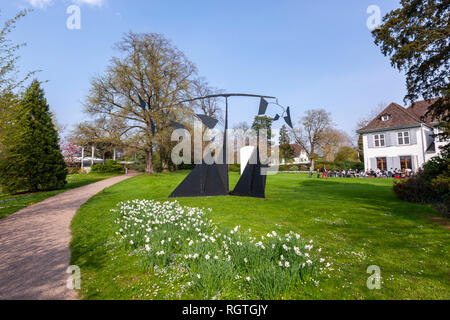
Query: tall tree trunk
{"type": "Point", "coordinates": [149, 162]}
{"type": "Point", "coordinates": [313, 163]}
{"type": "Point", "coordinates": [164, 160]}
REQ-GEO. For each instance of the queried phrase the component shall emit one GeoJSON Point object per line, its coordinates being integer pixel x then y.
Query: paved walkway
{"type": "Point", "coordinates": [34, 245]}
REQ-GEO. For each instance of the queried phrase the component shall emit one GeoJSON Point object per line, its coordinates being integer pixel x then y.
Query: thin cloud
{"type": "Point", "coordinates": [41, 4]}
{"type": "Point", "coordinates": [98, 3]}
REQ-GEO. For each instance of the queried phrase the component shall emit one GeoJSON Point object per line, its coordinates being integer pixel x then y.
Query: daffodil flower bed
{"type": "Point", "coordinates": [211, 262]}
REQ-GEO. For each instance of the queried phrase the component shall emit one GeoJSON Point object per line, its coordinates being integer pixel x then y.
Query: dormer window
{"type": "Point", "coordinates": [385, 117]}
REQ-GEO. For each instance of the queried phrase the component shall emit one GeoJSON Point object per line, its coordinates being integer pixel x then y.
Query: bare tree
{"type": "Point", "coordinates": [104, 133]}
{"type": "Point", "coordinates": [9, 57]}
{"type": "Point", "coordinates": [208, 107]}
{"type": "Point", "coordinates": [364, 121]}
{"type": "Point", "coordinates": [310, 134]}
{"type": "Point", "coordinates": [332, 140]}
{"type": "Point", "coordinates": [151, 67]}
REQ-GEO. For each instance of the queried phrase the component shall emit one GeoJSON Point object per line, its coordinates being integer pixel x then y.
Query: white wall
{"type": "Point", "coordinates": [415, 150]}
{"type": "Point", "coordinates": [419, 138]}
{"type": "Point", "coordinates": [302, 159]}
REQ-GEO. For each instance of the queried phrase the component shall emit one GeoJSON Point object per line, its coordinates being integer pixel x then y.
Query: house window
{"type": "Point", "coordinates": [385, 117]}
{"type": "Point", "coordinates": [405, 163]}
{"type": "Point", "coordinates": [381, 163]}
{"type": "Point", "coordinates": [379, 140]}
{"type": "Point", "coordinates": [403, 138]}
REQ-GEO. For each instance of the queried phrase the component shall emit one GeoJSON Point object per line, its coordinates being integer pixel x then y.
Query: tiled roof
{"type": "Point", "coordinates": [398, 117]}
{"type": "Point", "coordinates": [296, 150]}
{"type": "Point", "coordinates": [420, 108]}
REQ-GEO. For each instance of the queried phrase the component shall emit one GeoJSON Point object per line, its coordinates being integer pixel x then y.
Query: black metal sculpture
{"type": "Point", "coordinates": [204, 181]}
{"type": "Point", "coordinates": [213, 180]}
{"type": "Point", "coordinates": [210, 122]}
{"type": "Point", "coordinates": [252, 182]}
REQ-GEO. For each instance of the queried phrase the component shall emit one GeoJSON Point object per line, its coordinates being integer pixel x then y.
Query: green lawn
{"type": "Point", "coordinates": [13, 203]}
{"type": "Point", "coordinates": [357, 223]}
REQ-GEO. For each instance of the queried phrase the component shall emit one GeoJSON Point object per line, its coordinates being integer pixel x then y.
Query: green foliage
{"type": "Point", "coordinates": [361, 148]}
{"type": "Point", "coordinates": [9, 57]}
{"type": "Point", "coordinates": [346, 154]}
{"type": "Point", "coordinates": [234, 168]}
{"type": "Point", "coordinates": [415, 36]}
{"type": "Point", "coordinates": [74, 170]}
{"type": "Point", "coordinates": [293, 167]}
{"type": "Point", "coordinates": [31, 159]}
{"type": "Point", "coordinates": [263, 123]}
{"type": "Point", "coordinates": [431, 185]}
{"type": "Point", "coordinates": [110, 166]}
{"type": "Point", "coordinates": [286, 152]}
{"type": "Point", "coordinates": [340, 165]}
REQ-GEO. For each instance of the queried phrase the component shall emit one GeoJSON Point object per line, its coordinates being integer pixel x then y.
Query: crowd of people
{"type": "Point", "coordinates": [391, 173]}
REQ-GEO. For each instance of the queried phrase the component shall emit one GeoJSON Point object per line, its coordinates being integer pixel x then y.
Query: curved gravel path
{"type": "Point", "coordinates": [34, 245]}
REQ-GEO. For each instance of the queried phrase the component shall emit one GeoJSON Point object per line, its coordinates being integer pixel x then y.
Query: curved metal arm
{"type": "Point", "coordinates": [279, 105]}
{"type": "Point", "coordinates": [227, 95]}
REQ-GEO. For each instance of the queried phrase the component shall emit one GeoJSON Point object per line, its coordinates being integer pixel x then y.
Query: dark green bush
{"type": "Point", "coordinates": [343, 165]}
{"type": "Point", "coordinates": [110, 166]}
{"type": "Point", "coordinates": [431, 185]}
{"type": "Point", "coordinates": [234, 168]}
{"type": "Point", "coordinates": [186, 166]}
{"type": "Point", "coordinates": [414, 190]}
{"type": "Point", "coordinates": [74, 170]}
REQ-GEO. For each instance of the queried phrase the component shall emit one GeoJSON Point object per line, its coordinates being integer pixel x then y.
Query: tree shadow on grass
{"type": "Point", "coordinates": [368, 196]}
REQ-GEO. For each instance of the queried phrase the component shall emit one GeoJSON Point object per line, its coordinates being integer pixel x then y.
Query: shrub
{"type": "Point", "coordinates": [110, 166]}
{"type": "Point", "coordinates": [186, 166]}
{"type": "Point", "coordinates": [342, 165]}
{"type": "Point", "coordinates": [74, 170]}
{"type": "Point", "coordinates": [234, 168]}
{"type": "Point", "coordinates": [431, 185]}
{"type": "Point", "coordinates": [413, 190]}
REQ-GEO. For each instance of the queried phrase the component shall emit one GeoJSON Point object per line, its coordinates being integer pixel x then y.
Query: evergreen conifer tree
{"type": "Point", "coordinates": [286, 152]}
{"type": "Point", "coordinates": [31, 159]}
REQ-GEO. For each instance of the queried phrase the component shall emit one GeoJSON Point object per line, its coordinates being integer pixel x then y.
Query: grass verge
{"type": "Point", "coordinates": [357, 222]}
{"type": "Point", "coordinates": [10, 204]}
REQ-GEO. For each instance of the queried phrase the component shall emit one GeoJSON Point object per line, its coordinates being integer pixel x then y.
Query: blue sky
{"type": "Point", "coordinates": [310, 54]}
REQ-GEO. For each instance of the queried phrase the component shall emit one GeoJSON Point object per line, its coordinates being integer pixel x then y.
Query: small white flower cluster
{"type": "Point", "coordinates": [168, 234]}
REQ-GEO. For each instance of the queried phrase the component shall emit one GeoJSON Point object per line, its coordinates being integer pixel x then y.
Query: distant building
{"type": "Point", "coordinates": [400, 138]}
{"type": "Point", "coordinates": [299, 156]}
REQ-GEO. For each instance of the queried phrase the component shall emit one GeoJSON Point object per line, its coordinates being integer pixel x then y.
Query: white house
{"type": "Point", "coordinates": [299, 155]}
{"type": "Point", "coordinates": [400, 138]}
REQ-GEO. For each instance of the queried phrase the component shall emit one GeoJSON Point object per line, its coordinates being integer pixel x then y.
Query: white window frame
{"type": "Point", "coordinates": [403, 138]}
{"type": "Point", "coordinates": [385, 117]}
{"type": "Point", "coordinates": [379, 140]}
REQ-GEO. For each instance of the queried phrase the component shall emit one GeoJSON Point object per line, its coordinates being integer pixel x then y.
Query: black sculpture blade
{"type": "Point", "coordinates": [142, 102]}
{"type": "Point", "coordinates": [263, 107]}
{"type": "Point", "coordinates": [277, 117]}
{"type": "Point", "coordinates": [208, 121]}
{"type": "Point", "coordinates": [177, 125]}
{"type": "Point", "coordinates": [204, 181]}
{"type": "Point", "coordinates": [288, 119]}
{"type": "Point", "coordinates": [252, 183]}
